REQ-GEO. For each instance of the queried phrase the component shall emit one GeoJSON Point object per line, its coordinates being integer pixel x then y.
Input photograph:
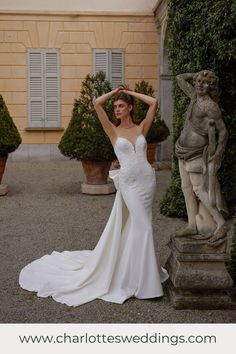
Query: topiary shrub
{"type": "Point", "coordinates": [201, 35]}
{"type": "Point", "coordinates": [85, 139]}
{"type": "Point", "coordinates": [159, 130]}
{"type": "Point", "coordinates": [10, 138]}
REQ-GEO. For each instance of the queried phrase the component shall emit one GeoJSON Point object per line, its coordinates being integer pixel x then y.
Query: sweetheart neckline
{"type": "Point", "coordinates": [134, 145]}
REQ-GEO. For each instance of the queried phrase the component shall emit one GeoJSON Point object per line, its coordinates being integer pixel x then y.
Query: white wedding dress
{"type": "Point", "coordinates": [123, 264]}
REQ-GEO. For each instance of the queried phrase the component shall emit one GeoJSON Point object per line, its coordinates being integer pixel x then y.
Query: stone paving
{"type": "Point", "coordinates": [45, 211]}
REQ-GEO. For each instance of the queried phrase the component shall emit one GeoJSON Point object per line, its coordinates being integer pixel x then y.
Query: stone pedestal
{"type": "Point", "coordinates": [198, 276]}
{"type": "Point", "coordinates": [3, 189]}
{"type": "Point", "coordinates": [107, 188]}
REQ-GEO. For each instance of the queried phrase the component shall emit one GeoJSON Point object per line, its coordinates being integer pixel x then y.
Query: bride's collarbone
{"type": "Point", "coordinates": [128, 142]}
{"type": "Point", "coordinates": [126, 134]}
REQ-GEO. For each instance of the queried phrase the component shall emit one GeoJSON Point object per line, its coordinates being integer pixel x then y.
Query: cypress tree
{"type": "Point", "coordinates": [85, 139]}
{"type": "Point", "coordinates": [10, 138]}
{"type": "Point", "coordinates": [159, 130]}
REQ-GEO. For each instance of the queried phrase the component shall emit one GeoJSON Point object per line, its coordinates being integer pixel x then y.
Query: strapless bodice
{"type": "Point", "coordinates": [129, 153]}
{"type": "Point", "coordinates": [135, 170]}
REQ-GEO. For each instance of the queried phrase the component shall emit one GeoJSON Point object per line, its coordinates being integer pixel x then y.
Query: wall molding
{"type": "Point", "coordinates": [75, 13]}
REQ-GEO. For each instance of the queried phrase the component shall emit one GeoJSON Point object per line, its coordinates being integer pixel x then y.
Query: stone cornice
{"type": "Point", "coordinates": [75, 13]}
{"type": "Point", "coordinates": [160, 3]}
{"type": "Point", "coordinates": [160, 11]}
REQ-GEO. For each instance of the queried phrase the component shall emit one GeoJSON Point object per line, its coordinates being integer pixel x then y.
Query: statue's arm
{"type": "Point", "coordinates": [185, 85]}
{"type": "Point", "coordinates": [214, 114]}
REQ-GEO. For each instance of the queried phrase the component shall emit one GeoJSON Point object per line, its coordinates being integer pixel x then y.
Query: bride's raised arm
{"type": "Point", "coordinates": [152, 102]}
{"type": "Point", "coordinates": [108, 127]}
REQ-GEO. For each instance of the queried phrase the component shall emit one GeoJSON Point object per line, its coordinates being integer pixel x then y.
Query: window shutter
{"type": "Point", "coordinates": [35, 74]}
{"type": "Point", "coordinates": [116, 68]}
{"type": "Point", "coordinates": [100, 61]}
{"type": "Point", "coordinates": [44, 90]}
{"type": "Point", "coordinates": [112, 63]}
{"type": "Point", "coordinates": [51, 89]}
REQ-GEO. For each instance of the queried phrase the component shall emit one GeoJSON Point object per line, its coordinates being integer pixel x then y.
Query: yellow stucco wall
{"type": "Point", "coordinates": [76, 35]}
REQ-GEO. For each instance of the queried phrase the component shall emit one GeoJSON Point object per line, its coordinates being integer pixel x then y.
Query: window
{"type": "Point", "coordinates": [44, 90]}
{"type": "Point", "coordinates": [112, 63]}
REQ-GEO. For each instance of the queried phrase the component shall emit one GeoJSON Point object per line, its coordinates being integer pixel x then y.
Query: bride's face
{"type": "Point", "coordinates": [122, 109]}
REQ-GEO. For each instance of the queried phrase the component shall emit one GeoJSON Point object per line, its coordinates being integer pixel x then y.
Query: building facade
{"type": "Point", "coordinates": [46, 54]}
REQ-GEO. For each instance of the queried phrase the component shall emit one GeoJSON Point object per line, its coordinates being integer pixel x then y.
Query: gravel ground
{"type": "Point", "coordinates": [45, 211]}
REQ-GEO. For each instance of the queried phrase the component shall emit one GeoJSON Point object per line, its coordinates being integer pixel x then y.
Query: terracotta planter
{"type": "Point", "coordinates": [151, 152]}
{"type": "Point", "coordinates": [96, 172]}
{"type": "Point", "coordinates": [3, 161]}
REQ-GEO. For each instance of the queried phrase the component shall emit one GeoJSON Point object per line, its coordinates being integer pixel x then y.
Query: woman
{"type": "Point", "coordinates": [123, 264]}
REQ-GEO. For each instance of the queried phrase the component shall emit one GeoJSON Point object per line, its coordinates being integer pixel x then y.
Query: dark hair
{"type": "Point", "coordinates": [128, 99]}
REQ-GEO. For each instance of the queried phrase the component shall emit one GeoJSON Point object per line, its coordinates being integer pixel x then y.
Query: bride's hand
{"type": "Point", "coordinates": [118, 89]}
{"type": "Point", "coordinates": [126, 88]}
{"type": "Point", "coordinates": [122, 88]}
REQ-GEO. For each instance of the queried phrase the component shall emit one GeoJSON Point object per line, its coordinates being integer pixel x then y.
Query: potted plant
{"type": "Point", "coordinates": [9, 136]}
{"type": "Point", "coordinates": [159, 130]}
{"type": "Point", "coordinates": [85, 139]}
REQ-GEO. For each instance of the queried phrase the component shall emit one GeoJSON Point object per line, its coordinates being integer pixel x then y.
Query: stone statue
{"type": "Point", "coordinates": [199, 150]}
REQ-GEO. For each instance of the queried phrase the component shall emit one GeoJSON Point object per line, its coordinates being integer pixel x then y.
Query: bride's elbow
{"type": "Point", "coordinates": [154, 103]}
{"type": "Point", "coordinates": [95, 102]}
{"type": "Point", "coordinates": [97, 105]}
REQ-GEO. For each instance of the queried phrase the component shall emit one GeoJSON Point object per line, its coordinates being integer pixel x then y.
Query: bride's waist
{"type": "Point", "coordinates": [132, 162]}
{"type": "Point", "coordinates": [137, 172]}
{"type": "Point", "coordinates": [133, 165]}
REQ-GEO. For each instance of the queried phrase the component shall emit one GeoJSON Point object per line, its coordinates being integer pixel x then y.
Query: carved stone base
{"type": "Point", "coordinates": [3, 189]}
{"type": "Point", "coordinates": [198, 276]}
{"type": "Point", "coordinates": [107, 188]}
{"type": "Point", "coordinates": [207, 300]}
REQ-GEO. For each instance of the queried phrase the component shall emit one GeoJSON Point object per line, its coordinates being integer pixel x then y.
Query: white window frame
{"type": "Point", "coordinates": [44, 121]}
{"type": "Point", "coordinates": [106, 65]}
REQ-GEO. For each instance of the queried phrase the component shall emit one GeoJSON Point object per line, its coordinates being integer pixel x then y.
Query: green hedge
{"type": "Point", "coordinates": [232, 263]}
{"type": "Point", "coordinates": [201, 35]}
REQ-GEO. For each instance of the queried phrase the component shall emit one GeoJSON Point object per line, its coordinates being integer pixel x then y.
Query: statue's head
{"type": "Point", "coordinates": [206, 83]}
